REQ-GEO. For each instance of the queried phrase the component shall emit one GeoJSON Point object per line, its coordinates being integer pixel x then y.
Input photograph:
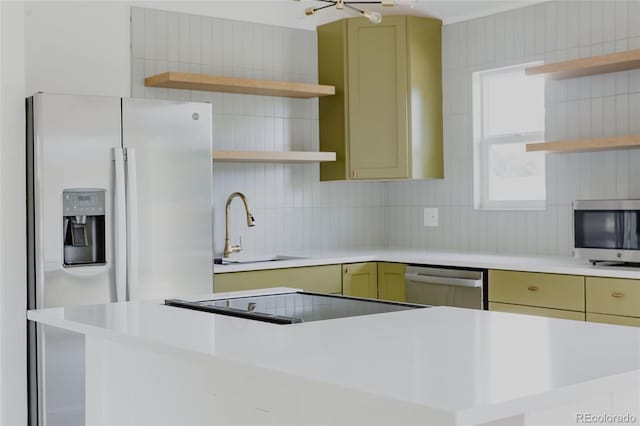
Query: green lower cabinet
{"type": "Point", "coordinates": [321, 279]}
{"type": "Point", "coordinates": [391, 284]}
{"type": "Point", "coordinates": [360, 280]}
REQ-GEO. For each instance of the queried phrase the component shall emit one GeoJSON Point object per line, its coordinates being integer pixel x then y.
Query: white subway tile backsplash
{"type": "Point", "coordinates": [150, 26]}
{"type": "Point", "coordinates": [206, 48]}
{"type": "Point", "coordinates": [597, 117]}
{"type": "Point", "coordinates": [561, 25]}
{"type": "Point", "coordinates": [540, 28]}
{"type": "Point", "coordinates": [634, 175]}
{"type": "Point", "coordinates": [596, 26]}
{"type": "Point", "coordinates": [597, 84]}
{"type": "Point", "coordinates": [584, 23]}
{"type": "Point", "coordinates": [184, 34]}
{"type": "Point", "coordinates": [573, 24]}
{"type": "Point", "coordinates": [550, 233]}
{"type": "Point", "coordinates": [584, 118]}
{"type": "Point", "coordinates": [622, 115]}
{"type": "Point", "coordinates": [634, 113]}
{"type": "Point", "coordinates": [530, 31]}
{"type": "Point", "coordinates": [609, 120]}
{"type": "Point", "coordinates": [173, 36]}
{"type": "Point", "coordinates": [137, 32]}
{"type": "Point", "coordinates": [622, 19]}
{"type": "Point", "coordinates": [608, 20]}
{"type": "Point", "coordinates": [621, 45]}
{"type": "Point", "coordinates": [584, 87]}
{"type": "Point", "coordinates": [585, 176]}
{"type": "Point", "coordinates": [490, 39]}
{"type": "Point", "coordinates": [573, 119]}
{"type": "Point", "coordinates": [633, 18]}
{"type": "Point", "coordinates": [564, 231]}
{"type": "Point", "coordinates": [622, 82]}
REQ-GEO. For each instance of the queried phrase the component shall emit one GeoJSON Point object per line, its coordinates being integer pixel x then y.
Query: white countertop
{"type": "Point", "coordinates": [477, 365]}
{"type": "Point", "coordinates": [556, 265]}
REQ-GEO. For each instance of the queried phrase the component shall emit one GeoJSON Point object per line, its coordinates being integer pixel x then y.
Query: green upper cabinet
{"type": "Point", "coordinates": [385, 121]}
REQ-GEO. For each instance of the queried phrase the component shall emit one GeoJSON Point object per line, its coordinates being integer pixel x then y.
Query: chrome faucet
{"type": "Point", "coordinates": [228, 248]}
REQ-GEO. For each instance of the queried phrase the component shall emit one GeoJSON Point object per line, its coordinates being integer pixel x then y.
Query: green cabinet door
{"type": "Point", "coordinates": [377, 79]}
{"type": "Point", "coordinates": [391, 284]}
{"type": "Point", "coordinates": [360, 280]}
{"type": "Point", "coordinates": [385, 120]}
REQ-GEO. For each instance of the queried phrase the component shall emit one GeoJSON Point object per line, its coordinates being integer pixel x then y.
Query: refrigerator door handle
{"type": "Point", "coordinates": [132, 223]}
{"type": "Point", "coordinates": [120, 223]}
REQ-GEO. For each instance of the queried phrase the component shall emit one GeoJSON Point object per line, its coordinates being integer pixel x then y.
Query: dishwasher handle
{"type": "Point", "coordinates": [434, 279]}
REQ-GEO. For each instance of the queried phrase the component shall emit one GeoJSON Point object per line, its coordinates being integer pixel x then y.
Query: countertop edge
{"type": "Point", "coordinates": [553, 265]}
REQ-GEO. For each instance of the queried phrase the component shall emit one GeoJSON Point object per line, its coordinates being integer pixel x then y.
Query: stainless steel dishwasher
{"type": "Point", "coordinates": [444, 287]}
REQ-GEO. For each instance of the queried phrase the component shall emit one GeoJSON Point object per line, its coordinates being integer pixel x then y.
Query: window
{"type": "Point", "coordinates": [508, 113]}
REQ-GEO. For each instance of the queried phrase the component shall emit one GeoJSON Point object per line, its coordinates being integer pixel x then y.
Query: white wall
{"type": "Point", "coordinates": [12, 218]}
{"type": "Point", "coordinates": [77, 47]}
{"type": "Point", "coordinates": [584, 107]}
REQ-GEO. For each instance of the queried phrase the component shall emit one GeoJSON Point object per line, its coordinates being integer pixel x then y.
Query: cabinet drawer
{"type": "Point", "coordinates": [539, 312]}
{"type": "Point", "coordinates": [536, 289]}
{"type": "Point", "coordinates": [321, 279]}
{"type": "Point", "coordinates": [614, 296]}
{"type": "Point", "coordinates": [613, 319]}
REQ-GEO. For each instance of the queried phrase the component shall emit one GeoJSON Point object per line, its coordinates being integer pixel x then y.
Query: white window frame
{"type": "Point", "coordinates": [482, 147]}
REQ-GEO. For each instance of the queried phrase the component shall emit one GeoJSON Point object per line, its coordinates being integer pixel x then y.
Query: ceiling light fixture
{"type": "Point", "coordinates": [374, 17]}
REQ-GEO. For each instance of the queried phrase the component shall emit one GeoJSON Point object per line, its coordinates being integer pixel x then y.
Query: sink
{"type": "Point", "coordinates": [254, 259]}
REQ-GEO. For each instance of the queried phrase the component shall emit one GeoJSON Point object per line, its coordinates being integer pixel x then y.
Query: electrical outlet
{"type": "Point", "coordinates": [431, 216]}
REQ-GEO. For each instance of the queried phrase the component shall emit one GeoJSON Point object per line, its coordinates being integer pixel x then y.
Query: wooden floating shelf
{"type": "Point", "coordinates": [212, 83]}
{"type": "Point", "coordinates": [580, 145]}
{"type": "Point", "coordinates": [273, 157]}
{"type": "Point", "coordinates": [613, 62]}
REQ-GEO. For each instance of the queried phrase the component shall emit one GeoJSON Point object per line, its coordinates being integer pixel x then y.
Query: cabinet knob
{"type": "Point", "coordinates": [354, 173]}
{"type": "Point", "coordinates": [617, 295]}
{"type": "Point", "coordinates": [532, 288]}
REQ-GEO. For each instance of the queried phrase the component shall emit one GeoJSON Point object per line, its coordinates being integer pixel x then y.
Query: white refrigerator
{"type": "Point", "coordinates": [119, 195]}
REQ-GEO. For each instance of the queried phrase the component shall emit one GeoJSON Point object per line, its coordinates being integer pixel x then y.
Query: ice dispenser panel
{"type": "Point", "coordinates": [83, 223]}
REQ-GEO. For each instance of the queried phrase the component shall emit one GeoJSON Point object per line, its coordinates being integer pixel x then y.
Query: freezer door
{"type": "Point", "coordinates": [70, 144]}
{"type": "Point", "coordinates": [169, 177]}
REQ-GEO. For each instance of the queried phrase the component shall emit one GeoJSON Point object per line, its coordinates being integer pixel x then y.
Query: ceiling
{"type": "Point", "coordinates": [290, 13]}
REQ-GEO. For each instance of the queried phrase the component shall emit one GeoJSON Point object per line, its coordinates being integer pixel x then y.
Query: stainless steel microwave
{"type": "Point", "coordinates": [607, 230]}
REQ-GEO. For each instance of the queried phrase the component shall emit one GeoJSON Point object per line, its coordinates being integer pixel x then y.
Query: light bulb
{"type": "Point", "coordinates": [374, 17]}
{"type": "Point", "coordinates": [309, 11]}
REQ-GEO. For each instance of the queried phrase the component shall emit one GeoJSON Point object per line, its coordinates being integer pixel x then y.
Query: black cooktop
{"type": "Point", "coordinates": [294, 307]}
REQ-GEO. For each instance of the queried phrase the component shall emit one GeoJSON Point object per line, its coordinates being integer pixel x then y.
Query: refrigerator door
{"type": "Point", "coordinates": [74, 142]}
{"type": "Point", "coordinates": [169, 175]}
{"type": "Point", "coordinates": [71, 141]}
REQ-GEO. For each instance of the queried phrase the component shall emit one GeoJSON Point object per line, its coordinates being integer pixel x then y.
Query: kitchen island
{"type": "Point", "coordinates": [147, 363]}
